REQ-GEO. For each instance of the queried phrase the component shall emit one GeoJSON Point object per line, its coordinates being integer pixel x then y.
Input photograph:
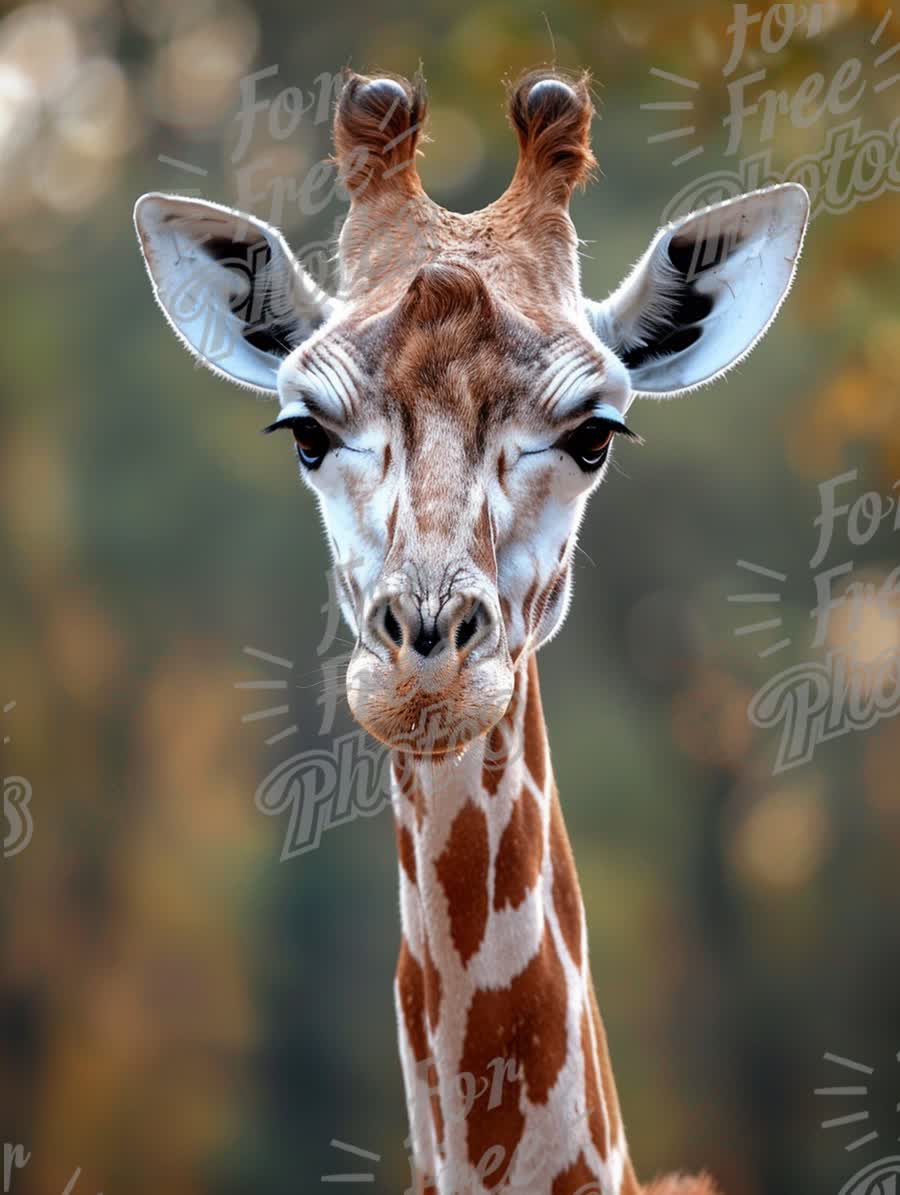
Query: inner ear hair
{"type": "Point", "coordinates": [669, 322]}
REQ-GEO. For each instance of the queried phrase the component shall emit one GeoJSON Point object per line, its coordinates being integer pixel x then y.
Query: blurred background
{"type": "Point", "coordinates": [179, 1010]}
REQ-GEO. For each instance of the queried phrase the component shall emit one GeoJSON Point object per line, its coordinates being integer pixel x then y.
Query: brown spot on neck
{"type": "Point", "coordinates": [535, 731]}
{"type": "Point", "coordinates": [462, 870]}
{"type": "Point", "coordinates": [495, 759]}
{"type": "Point", "coordinates": [596, 1117]}
{"type": "Point", "coordinates": [411, 993]}
{"type": "Point", "coordinates": [406, 852]}
{"type": "Point", "coordinates": [579, 1179]}
{"type": "Point", "coordinates": [608, 1083]}
{"type": "Point", "coordinates": [523, 1024]}
{"type": "Point", "coordinates": [520, 854]}
{"type": "Point", "coordinates": [566, 892]}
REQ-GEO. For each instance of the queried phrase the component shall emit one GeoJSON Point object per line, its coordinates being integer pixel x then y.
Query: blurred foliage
{"type": "Point", "coordinates": [178, 1011]}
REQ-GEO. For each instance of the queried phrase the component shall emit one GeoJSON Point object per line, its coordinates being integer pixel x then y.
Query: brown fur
{"type": "Point", "coordinates": [463, 870]}
{"type": "Point", "coordinates": [447, 291]}
{"type": "Point", "coordinates": [376, 130]}
{"type": "Point", "coordinates": [519, 856]}
{"type": "Point", "coordinates": [566, 898]}
{"type": "Point", "coordinates": [411, 987]}
{"type": "Point", "coordinates": [553, 125]}
{"type": "Point", "coordinates": [579, 1179]}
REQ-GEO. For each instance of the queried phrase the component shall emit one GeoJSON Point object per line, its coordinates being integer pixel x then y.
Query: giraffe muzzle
{"type": "Point", "coordinates": [462, 625]}
{"type": "Point", "coordinates": [430, 677]}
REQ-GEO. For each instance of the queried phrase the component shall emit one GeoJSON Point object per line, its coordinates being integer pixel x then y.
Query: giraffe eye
{"type": "Point", "coordinates": [312, 440]}
{"type": "Point", "coordinates": [589, 444]}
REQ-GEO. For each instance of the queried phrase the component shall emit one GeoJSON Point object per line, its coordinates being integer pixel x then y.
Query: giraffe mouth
{"type": "Point", "coordinates": [428, 711]}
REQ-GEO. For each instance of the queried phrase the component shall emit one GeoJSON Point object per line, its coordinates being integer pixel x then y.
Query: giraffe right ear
{"type": "Point", "coordinates": [705, 291]}
{"type": "Point", "coordinates": [230, 287]}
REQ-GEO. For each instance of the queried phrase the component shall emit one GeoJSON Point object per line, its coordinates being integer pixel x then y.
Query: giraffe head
{"type": "Point", "coordinates": [457, 401]}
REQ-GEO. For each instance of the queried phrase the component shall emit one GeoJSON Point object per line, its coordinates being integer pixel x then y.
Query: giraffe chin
{"type": "Point", "coordinates": [427, 713]}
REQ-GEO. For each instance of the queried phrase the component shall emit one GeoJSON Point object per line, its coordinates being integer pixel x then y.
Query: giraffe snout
{"type": "Point", "coordinates": [430, 675]}
{"type": "Point", "coordinates": [462, 625]}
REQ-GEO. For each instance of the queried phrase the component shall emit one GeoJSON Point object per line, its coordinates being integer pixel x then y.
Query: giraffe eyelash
{"type": "Point", "coordinates": [588, 444]}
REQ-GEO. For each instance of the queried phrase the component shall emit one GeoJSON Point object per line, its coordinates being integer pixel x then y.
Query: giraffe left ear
{"type": "Point", "coordinates": [230, 287]}
{"type": "Point", "coordinates": [705, 291]}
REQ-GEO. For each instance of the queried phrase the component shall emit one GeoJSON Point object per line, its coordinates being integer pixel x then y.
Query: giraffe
{"type": "Point", "coordinates": [453, 406]}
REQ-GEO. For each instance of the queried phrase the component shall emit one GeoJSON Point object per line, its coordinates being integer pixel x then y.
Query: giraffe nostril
{"type": "Point", "coordinates": [392, 626]}
{"type": "Point", "coordinates": [466, 629]}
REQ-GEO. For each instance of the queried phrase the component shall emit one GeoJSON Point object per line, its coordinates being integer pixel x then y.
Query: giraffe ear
{"type": "Point", "coordinates": [229, 286]}
{"type": "Point", "coordinates": [705, 291]}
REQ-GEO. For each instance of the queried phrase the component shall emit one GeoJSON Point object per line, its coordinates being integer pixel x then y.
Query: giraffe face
{"type": "Point", "coordinates": [452, 445]}
{"type": "Point", "coordinates": [455, 405]}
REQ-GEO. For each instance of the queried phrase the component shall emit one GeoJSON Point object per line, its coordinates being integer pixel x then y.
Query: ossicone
{"type": "Point", "coordinates": [552, 115]}
{"type": "Point", "coordinates": [377, 127]}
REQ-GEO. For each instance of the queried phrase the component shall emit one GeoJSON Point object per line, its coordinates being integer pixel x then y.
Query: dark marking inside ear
{"type": "Point", "coordinates": [692, 307]}
{"type": "Point", "coordinates": [679, 340]}
{"type": "Point", "coordinates": [267, 324]}
{"type": "Point", "coordinates": [247, 255]}
{"type": "Point", "coordinates": [677, 329]}
{"type": "Point", "coordinates": [676, 341]}
{"type": "Point", "coordinates": [276, 339]}
{"type": "Point", "coordinates": [691, 256]}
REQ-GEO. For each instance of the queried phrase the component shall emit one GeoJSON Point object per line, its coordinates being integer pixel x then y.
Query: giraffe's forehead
{"type": "Point", "coordinates": [457, 372]}
{"type": "Point", "coordinates": [473, 374]}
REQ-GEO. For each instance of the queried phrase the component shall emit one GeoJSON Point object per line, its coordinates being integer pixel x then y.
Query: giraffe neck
{"type": "Point", "coordinates": [504, 1056]}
